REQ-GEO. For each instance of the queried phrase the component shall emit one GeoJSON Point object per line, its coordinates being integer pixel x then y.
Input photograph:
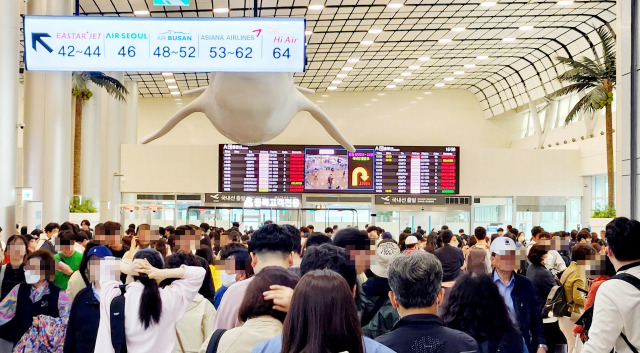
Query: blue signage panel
{"type": "Point", "coordinates": [161, 44]}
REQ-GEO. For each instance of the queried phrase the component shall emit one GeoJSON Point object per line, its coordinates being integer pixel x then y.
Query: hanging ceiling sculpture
{"type": "Point", "coordinates": [274, 102]}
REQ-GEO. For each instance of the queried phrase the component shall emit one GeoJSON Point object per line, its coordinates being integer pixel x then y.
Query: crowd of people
{"type": "Point", "coordinates": [202, 289]}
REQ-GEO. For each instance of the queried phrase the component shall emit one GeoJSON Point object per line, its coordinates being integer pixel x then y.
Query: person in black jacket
{"type": "Point", "coordinates": [416, 292]}
{"type": "Point", "coordinates": [518, 294]}
{"type": "Point", "coordinates": [475, 307]}
{"type": "Point", "coordinates": [543, 281]}
{"type": "Point", "coordinates": [82, 329]}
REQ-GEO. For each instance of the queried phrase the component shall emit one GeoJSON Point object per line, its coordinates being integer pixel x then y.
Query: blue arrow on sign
{"type": "Point", "coordinates": [37, 38]}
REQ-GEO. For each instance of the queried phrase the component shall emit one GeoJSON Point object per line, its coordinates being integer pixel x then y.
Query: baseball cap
{"type": "Point", "coordinates": [411, 240]}
{"type": "Point", "coordinates": [100, 251]}
{"type": "Point", "coordinates": [502, 245]}
{"type": "Point", "coordinates": [419, 236]}
{"type": "Point", "coordinates": [385, 253]}
{"type": "Point", "coordinates": [386, 235]}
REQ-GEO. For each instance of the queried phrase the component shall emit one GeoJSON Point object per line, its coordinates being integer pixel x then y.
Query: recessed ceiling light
{"type": "Point", "coordinates": [439, 84]}
{"type": "Point", "coordinates": [391, 86]}
{"type": "Point", "coordinates": [375, 31]}
{"type": "Point", "coordinates": [170, 80]}
{"type": "Point", "coordinates": [353, 60]}
{"type": "Point", "coordinates": [308, 33]}
{"type": "Point", "coordinates": [395, 5]}
{"type": "Point", "coordinates": [444, 40]}
{"type": "Point", "coordinates": [458, 29]}
{"type": "Point", "coordinates": [525, 28]}
{"type": "Point", "coordinates": [141, 13]}
{"type": "Point", "coordinates": [336, 82]}
{"type": "Point", "coordinates": [414, 67]}
{"type": "Point", "coordinates": [347, 68]}
{"type": "Point", "coordinates": [427, 93]}
{"type": "Point", "coordinates": [374, 99]}
{"type": "Point", "coordinates": [221, 10]}
{"type": "Point", "coordinates": [448, 78]}
{"type": "Point", "coordinates": [482, 57]}
{"type": "Point", "coordinates": [331, 88]}
{"type": "Point", "coordinates": [366, 42]}
{"type": "Point", "coordinates": [341, 75]}
{"type": "Point", "coordinates": [319, 101]}
{"type": "Point", "coordinates": [488, 4]}
{"type": "Point", "coordinates": [565, 3]}
{"type": "Point", "coordinates": [178, 99]}
{"type": "Point", "coordinates": [172, 87]}
{"type": "Point", "coordinates": [325, 95]}
{"type": "Point", "coordinates": [167, 74]}
{"type": "Point", "coordinates": [398, 79]}
{"type": "Point", "coordinates": [468, 66]}
{"type": "Point", "coordinates": [175, 93]}
{"type": "Point", "coordinates": [424, 58]}
{"type": "Point", "coordinates": [508, 39]}
{"type": "Point", "coordinates": [405, 74]}
{"type": "Point", "coordinates": [459, 73]}
{"type": "Point", "coordinates": [381, 94]}
{"type": "Point", "coordinates": [316, 7]}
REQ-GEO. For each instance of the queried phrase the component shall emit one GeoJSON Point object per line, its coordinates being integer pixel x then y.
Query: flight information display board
{"type": "Point", "coordinates": [332, 169]}
{"type": "Point", "coordinates": [164, 44]}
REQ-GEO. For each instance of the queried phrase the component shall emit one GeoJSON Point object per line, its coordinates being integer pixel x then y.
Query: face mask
{"type": "Point", "coordinates": [226, 279]}
{"type": "Point", "coordinates": [54, 235]}
{"type": "Point", "coordinates": [31, 276]}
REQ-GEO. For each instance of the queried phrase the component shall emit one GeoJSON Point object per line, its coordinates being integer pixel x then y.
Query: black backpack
{"type": "Point", "coordinates": [587, 317]}
{"type": "Point", "coordinates": [116, 316]}
{"type": "Point", "coordinates": [557, 302]}
{"type": "Point", "coordinates": [215, 340]}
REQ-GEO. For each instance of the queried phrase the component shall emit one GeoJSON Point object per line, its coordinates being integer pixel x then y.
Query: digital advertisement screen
{"type": "Point", "coordinates": [332, 169]}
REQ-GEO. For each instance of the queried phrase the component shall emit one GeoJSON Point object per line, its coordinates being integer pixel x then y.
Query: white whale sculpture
{"type": "Point", "coordinates": [251, 108]}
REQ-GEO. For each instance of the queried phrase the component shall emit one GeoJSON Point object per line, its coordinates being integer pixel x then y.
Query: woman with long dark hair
{"type": "Point", "coordinates": [322, 318]}
{"type": "Point", "coordinates": [150, 312]}
{"type": "Point", "coordinates": [476, 307]}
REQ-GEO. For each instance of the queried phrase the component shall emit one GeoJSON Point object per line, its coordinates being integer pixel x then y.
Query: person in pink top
{"type": "Point", "coordinates": [271, 245]}
{"type": "Point", "coordinates": [151, 312]}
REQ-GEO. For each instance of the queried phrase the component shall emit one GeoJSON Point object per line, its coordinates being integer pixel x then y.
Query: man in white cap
{"type": "Point", "coordinates": [378, 315]}
{"type": "Point", "coordinates": [518, 294]}
{"type": "Point", "coordinates": [411, 244]}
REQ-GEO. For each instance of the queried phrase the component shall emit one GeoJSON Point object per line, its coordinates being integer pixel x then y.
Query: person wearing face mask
{"type": "Point", "coordinates": [237, 267]}
{"type": "Point", "coordinates": [34, 314]}
{"type": "Point", "coordinates": [85, 311]}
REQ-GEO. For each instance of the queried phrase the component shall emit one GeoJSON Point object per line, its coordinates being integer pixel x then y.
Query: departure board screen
{"type": "Point", "coordinates": [332, 169]}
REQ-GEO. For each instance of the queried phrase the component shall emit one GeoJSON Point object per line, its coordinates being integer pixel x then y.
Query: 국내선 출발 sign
{"type": "Point", "coordinates": [161, 44]}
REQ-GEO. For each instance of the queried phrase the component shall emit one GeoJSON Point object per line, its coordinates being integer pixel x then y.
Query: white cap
{"type": "Point", "coordinates": [385, 253]}
{"type": "Point", "coordinates": [411, 240]}
{"type": "Point", "coordinates": [502, 245]}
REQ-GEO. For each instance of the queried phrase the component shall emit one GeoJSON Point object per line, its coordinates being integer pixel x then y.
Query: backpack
{"type": "Point", "coordinates": [557, 302]}
{"type": "Point", "coordinates": [116, 316]}
{"type": "Point", "coordinates": [587, 317]}
{"type": "Point", "coordinates": [215, 340]}
{"type": "Point", "coordinates": [477, 260]}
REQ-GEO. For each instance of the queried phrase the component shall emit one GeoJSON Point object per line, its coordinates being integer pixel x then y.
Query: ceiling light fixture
{"type": "Point", "coordinates": [316, 7]}
{"type": "Point", "coordinates": [488, 4]}
{"type": "Point", "coordinates": [336, 82]}
{"type": "Point", "coordinates": [172, 87]}
{"type": "Point", "coordinates": [353, 60]}
{"type": "Point", "coordinates": [375, 31]}
{"type": "Point", "coordinates": [170, 80]}
{"type": "Point", "coordinates": [468, 66]}
{"type": "Point", "coordinates": [414, 67]}
{"type": "Point", "coordinates": [395, 5]}
{"type": "Point", "coordinates": [331, 88]}
{"type": "Point", "coordinates": [424, 58]}
{"type": "Point", "coordinates": [141, 13]}
{"type": "Point", "coordinates": [525, 28]}
{"type": "Point", "coordinates": [308, 33]}
{"type": "Point", "coordinates": [482, 57]}
{"type": "Point", "coordinates": [459, 73]}
{"type": "Point", "coordinates": [381, 94]}
{"type": "Point", "coordinates": [347, 68]}
{"type": "Point", "coordinates": [508, 39]}
{"type": "Point", "coordinates": [439, 84]}
{"type": "Point", "coordinates": [366, 42]}
{"type": "Point", "coordinates": [175, 93]}
{"type": "Point", "coordinates": [448, 78]}
{"type": "Point", "coordinates": [444, 40]}
{"type": "Point", "coordinates": [167, 74]}
{"type": "Point", "coordinates": [341, 75]}
{"type": "Point", "coordinates": [405, 74]}
{"type": "Point", "coordinates": [398, 79]}
{"type": "Point", "coordinates": [391, 86]}
{"type": "Point", "coordinates": [221, 10]}
{"type": "Point", "coordinates": [458, 29]}
{"type": "Point", "coordinates": [565, 3]}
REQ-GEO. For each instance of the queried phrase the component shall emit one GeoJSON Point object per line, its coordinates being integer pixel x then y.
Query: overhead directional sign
{"type": "Point", "coordinates": [162, 44]}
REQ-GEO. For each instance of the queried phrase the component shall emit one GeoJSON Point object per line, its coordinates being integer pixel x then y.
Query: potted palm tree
{"type": "Point", "coordinates": [81, 93]}
{"type": "Point", "coordinates": [596, 79]}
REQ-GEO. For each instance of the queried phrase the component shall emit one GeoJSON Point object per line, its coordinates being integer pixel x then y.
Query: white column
{"type": "Point", "coordinates": [112, 133]}
{"type": "Point", "coordinates": [48, 129]}
{"type": "Point", "coordinates": [90, 164]}
{"type": "Point", "coordinates": [9, 47]}
{"type": "Point", "coordinates": [130, 128]}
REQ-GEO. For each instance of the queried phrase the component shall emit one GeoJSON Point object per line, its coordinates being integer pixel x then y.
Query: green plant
{"type": "Point", "coordinates": [596, 79]}
{"type": "Point", "coordinates": [81, 93]}
{"type": "Point", "coordinates": [82, 206]}
{"type": "Point", "coordinates": [607, 212]}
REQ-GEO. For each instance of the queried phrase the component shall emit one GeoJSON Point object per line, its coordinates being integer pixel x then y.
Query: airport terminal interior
{"type": "Point", "coordinates": [142, 138]}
